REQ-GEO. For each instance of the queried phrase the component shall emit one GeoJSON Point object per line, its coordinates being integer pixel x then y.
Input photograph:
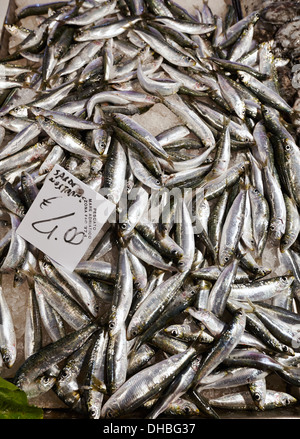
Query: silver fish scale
{"type": "Point", "coordinates": [178, 138]}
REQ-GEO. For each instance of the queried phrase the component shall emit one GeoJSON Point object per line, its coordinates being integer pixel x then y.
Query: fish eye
{"type": "Point", "coordinates": [134, 333]}
{"type": "Point", "coordinates": [186, 410]}
{"type": "Point", "coordinates": [256, 396]}
{"type": "Point", "coordinates": [284, 278]}
{"type": "Point", "coordinates": [123, 226]}
{"type": "Point", "coordinates": [287, 147]}
{"type": "Point", "coordinates": [46, 379]}
{"type": "Point", "coordinates": [5, 358]}
{"type": "Point", "coordinates": [174, 332]}
{"type": "Point", "coordinates": [272, 227]}
{"type": "Point", "coordinates": [64, 373]}
{"type": "Point", "coordinates": [111, 325]}
{"type": "Point", "coordinates": [109, 414]}
{"type": "Point", "coordinates": [93, 412]}
{"type": "Point", "coordinates": [284, 348]}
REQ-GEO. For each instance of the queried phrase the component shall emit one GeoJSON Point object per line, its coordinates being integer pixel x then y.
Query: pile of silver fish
{"type": "Point", "coordinates": [177, 310]}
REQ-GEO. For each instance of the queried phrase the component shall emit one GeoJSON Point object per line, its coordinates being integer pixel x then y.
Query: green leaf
{"type": "Point", "coordinates": [7, 384]}
{"type": "Point", "coordinates": [14, 403]}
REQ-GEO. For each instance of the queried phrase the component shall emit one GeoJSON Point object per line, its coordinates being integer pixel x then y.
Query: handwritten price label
{"type": "Point", "coordinates": [64, 218]}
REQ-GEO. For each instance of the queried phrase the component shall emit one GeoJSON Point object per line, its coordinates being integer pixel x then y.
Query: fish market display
{"type": "Point", "coordinates": [187, 302]}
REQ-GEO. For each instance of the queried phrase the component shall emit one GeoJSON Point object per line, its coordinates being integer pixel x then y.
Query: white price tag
{"type": "Point", "coordinates": [64, 218]}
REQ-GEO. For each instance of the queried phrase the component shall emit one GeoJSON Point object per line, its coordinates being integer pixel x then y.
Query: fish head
{"type": "Point", "coordinates": [81, 35]}
{"type": "Point", "coordinates": [282, 399]}
{"type": "Point", "coordinates": [240, 317]}
{"type": "Point", "coordinates": [66, 374]}
{"type": "Point", "coordinates": [19, 111]}
{"type": "Point", "coordinates": [259, 399]}
{"type": "Point", "coordinates": [45, 383]}
{"type": "Point", "coordinates": [261, 271]}
{"type": "Point", "coordinates": [225, 256]}
{"type": "Point", "coordinates": [94, 406]}
{"type": "Point", "coordinates": [9, 355]}
{"type": "Point", "coordinates": [290, 148]}
{"type": "Point", "coordinates": [174, 331]}
{"type": "Point", "coordinates": [244, 76]}
{"type": "Point", "coordinates": [38, 386]}
{"type": "Point", "coordinates": [113, 321]}
{"type": "Point", "coordinates": [286, 241]}
{"type": "Point", "coordinates": [184, 262]}
{"type": "Point", "coordinates": [286, 281]}
{"type": "Point", "coordinates": [36, 111]}
{"type": "Point", "coordinates": [255, 192]}
{"type": "Point", "coordinates": [277, 228]}
{"type": "Point", "coordinates": [196, 363]}
{"type": "Point", "coordinates": [94, 411]}
{"type": "Point", "coordinates": [134, 329]}
{"type": "Point", "coordinates": [140, 283]}
{"type": "Point", "coordinates": [110, 409]}
{"type": "Point", "coordinates": [95, 308]}
{"type": "Point", "coordinates": [183, 407]}
{"type": "Point", "coordinates": [125, 228]}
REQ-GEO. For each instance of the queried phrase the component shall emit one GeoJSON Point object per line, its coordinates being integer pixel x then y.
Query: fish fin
{"type": "Point", "coordinates": [137, 343]}
{"type": "Point", "coordinates": [170, 162]}
{"type": "Point", "coordinates": [19, 279]}
{"type": "Point", "coordinates": [201, 404]}
{"type": "Point", "coordinates": [240, 253]}
{"type": "Point", "coordinates": [265, 163]}
{"type": "Point", "coordinates": [259, 260]}
{"type": "Point", "coordinates": [55, 77]}
{"type": "Point", "coordinates": [26, 85]}
{"type": "Point", "coordinates": [243, 184]}
{"type": "Point", "coordinates": [250, 304]}
{"type": "Point", "coordinates": [99, 386]}
{"type": "Point", "coordinates": [44, 85]}
{"type": "Point", "coordinates": [162, 98]}
{"type": "Point", "coordinates": [29, 273]}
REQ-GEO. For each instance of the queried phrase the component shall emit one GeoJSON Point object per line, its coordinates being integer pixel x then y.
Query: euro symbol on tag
{"type": "Point", "coordinates": [47, 202]}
